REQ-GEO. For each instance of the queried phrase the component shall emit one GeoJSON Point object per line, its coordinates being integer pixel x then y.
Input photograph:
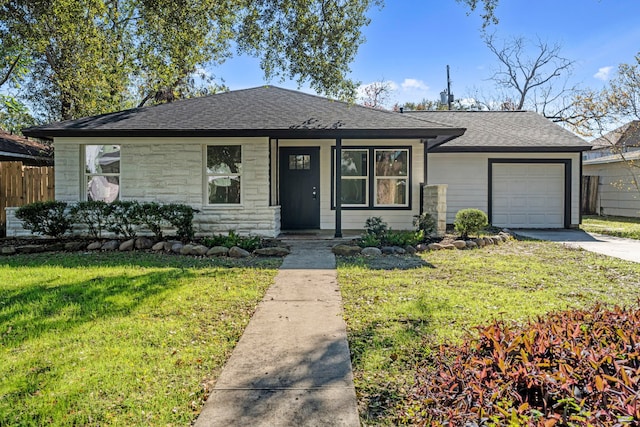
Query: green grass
{"type": "Point", "coordinates": [116, 338]}
{"type": "Point", "coordinates": [617, 226]}
{"type": "Point", "coordinates": [395, 318]}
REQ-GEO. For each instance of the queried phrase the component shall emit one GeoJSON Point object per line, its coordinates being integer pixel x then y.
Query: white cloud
{"type": "Point", "coordinates": [414, 84]}
{"type": "Point", "coordinates": [603, 73]}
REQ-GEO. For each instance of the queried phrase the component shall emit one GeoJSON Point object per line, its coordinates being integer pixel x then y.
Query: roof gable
{"type": "Point", "coordinates": [18, 147]}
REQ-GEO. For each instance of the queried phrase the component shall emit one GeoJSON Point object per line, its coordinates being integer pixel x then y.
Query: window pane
{"type": "Point", "coordinates": [224, 189]}
{"type": "Point", "coordinates": [354, 191]}
{"type": "Point", "coordinates": [103, 188]}
{"type": "Point", "coordinates": [102, 159]}
{"type": "Point", "coordinates": [354, 163]}
{"type": "Point", "coordinates": [224, 159]}
{"type": "Point", "coordinates": [299, 162]}
{"type": "Point", "coordinates": [391, 162]}
{"type": "Point", "coordinates": [391, 191]}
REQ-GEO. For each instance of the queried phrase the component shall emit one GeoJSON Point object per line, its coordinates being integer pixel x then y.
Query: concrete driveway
{"type": "Point", "coordinates": [627, 249]}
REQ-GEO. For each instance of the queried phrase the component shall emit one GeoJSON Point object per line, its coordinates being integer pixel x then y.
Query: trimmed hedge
{"type": "Point", "coordinates": [570, 368]}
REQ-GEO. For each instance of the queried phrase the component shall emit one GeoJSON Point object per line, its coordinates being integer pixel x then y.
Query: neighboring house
{"type": "Point", "coordinates": [622, 140]}
{"type": "Point", "coordinates": [267, 159]}
{"type": "Point", "coordinates": [618, 183]}
{"type": "Point", "coordinates": [15, 148]}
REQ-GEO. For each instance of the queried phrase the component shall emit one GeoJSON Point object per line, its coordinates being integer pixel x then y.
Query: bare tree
{"type": "Point", "coordinates": [530, 80]}
{"type": "Point", "coordinates": [376, 94]}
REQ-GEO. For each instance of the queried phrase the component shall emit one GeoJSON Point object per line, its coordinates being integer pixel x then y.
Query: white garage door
{"type": "Point", "coordinates": [528, 195]}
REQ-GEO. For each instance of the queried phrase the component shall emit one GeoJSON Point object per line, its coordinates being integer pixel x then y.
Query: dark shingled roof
{"type": "Point", "coordinates": [262, 111]}
{"type": "Point", "coordinates": [18, 148]}
{"type": "Point", "coordinates": [503, 131]}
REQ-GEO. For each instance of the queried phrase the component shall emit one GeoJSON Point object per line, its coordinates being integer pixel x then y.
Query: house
{"type": "Point", "coordinates": [16, 148]}
{"type": "Point", "coordinates": [618, 183]}
{"type": "Point", "coordinates": [624, 139]}
{"type": "Point", "coordinates": [268, 159]}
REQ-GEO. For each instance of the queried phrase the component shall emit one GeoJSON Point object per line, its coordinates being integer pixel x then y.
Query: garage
{"type": "Point", "coordinates": [528, 195]}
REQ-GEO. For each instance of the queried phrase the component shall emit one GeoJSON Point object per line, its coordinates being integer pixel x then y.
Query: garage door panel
{"type": "Point", "coordinates": [528, 195]}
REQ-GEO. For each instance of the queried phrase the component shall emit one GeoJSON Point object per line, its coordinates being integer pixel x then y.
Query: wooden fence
{"type": "Point", "coordinates": [20, 185]}
{"type": "Point", "coordinates": [589, 197]}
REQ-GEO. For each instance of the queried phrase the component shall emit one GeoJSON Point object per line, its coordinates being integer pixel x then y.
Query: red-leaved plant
{"type": "Point", "coordinates": [579, 367]}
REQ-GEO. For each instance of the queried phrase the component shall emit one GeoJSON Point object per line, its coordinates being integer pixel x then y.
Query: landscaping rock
{"type": "Point", "coordinates": [199, 250]}
{"type": "Point", "coordinates": [471, 244]}
{"type": "Point", "coordinates": [371, 251]}
{"type": "Point", "coordinates": [111, 245]}
{"type": "Point", "coordinates": [218, 251]}
{"type": "Point", "coordinates": [480, 242]}
{"type": "Point", "coordinates": [94, 246]}
{"type": "Point", "coordinates": [187, 249]}
{"type": "Point", "coordinates": [346, 250]}
{"type": "Point", "coordinates": [144, 243]}
{"type": "Point", "coordinates": [421, 247]}
{"type": "Point", "coordinates": [398, 250]}
{"type": "Point", "coordinates": [459, 244]}
{"type": "Point", "coordinates": [127, 245]}
{"type": "Point", "coordinates": [8, 250]}
{"type": "Point", "coordinates": [31, 249]}
{"type": "Point", "coordinates": [158, 246]}
{"type": "Point", "coordinates": [435, 246]}
{"type": "Point", "coordinates": [176, 248]}
{"type": "Point", "coordinates": [448, 246]}
{"type": "Point", "coordinates": [272, 251]}
{"type": "Point", "coordinates": [168, 246]}
{"type": "Point", "coordinates": [496, 240]}
{"type": "Point", "coordinates": [488, 241]}
{"type": "Point", "coordinates": [75, 246]}
{"type": "Point", "coordinates": [237, 252]}
{"type": "Point", "coordinates": [410, 250]}
{"type": "Point", "coordinates": [388, 250]}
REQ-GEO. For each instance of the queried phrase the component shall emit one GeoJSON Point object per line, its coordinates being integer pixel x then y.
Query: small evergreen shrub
{"type": "Point", "coordinates": [369, 240]}
{"type": "Point", "coordinates": [425, 224]}
{"type": "Point", "coordinates": [376, 226]}
{"type": "Point", "coordinates": [151, 216]}
{"type": "Point", "coordinates": [47, 218]}
{"type": "Point", "coordinates": [579, 367]}
{"type": "Point", "coordinates": [93, 214]}
{"type": "Point", "coordinates": [181, 218]}
{"type": "Point", "coordinates": [248, 243]}
{"type": "Point", "coordinates": [470, 221]}
{"type": "Point", "coordinates": [124, 218]}
{"type": "Point", "coordinates": [401, 238]}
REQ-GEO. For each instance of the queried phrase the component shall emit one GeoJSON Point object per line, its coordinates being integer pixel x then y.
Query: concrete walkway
{"type": "Point", "coordinates": [627, 249]}
{"type": "Point", "coordinates": [292, 365]}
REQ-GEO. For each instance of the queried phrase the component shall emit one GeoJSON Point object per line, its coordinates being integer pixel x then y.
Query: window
{"type": "Point", "coordinates": [102, 172]}
{"type": "Point", "coordinates": [224, 173]}
{"type": "Point", "coordinates": [375, 177]}
{"type": "Point", "coordinates": [355, 177]}
{"type": "Point", "coordinates": [299, 162]}
{"type": "Point", "coordinates": [392, 186]}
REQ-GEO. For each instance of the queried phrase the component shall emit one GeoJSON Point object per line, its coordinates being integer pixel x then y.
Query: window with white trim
{"type": "Point", "coordinates": [391, 177]}
{"type": "Point", "coordinates": [224, 174]}
{"type": "Point", "coordinates": [355, 177]}
{"type": "Point", "coordinates": [102, 172]}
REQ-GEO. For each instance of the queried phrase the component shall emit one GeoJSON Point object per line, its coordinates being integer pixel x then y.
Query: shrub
{"type": "Point", "coordinates": [376, 226]}
{"type": "Point", "coordinates": [94, 214]}
{"type": "Point", "coordinates": [470, 221]}
{"type": "Point", "coordinates": [401, 238]}
{"type": "Point", "coordinates": [568, 368]}
{"type": "Point", "coordinates": [181, 217]}
{"type": "Point", "coordinates": [249, 243]}
{"type": "Point", "coordinates": [369, 240]}
{"type": "Point", "coordinates": [48, 218]}
{"type": "Point", "coordinates": [124, 218]}
{"type": "Point", "coordinates": [425, 223]}
{"type": "Point", "coordinates": [151, 215]}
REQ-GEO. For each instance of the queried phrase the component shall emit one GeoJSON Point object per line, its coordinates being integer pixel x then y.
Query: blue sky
{"type": "Point", "coordinates": [410, 43]}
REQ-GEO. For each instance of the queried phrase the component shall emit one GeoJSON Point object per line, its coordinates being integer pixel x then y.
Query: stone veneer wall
{"type": "Point", "coordinates": [435, 204]}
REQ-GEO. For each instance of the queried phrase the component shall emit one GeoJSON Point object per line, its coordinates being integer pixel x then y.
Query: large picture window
{"type": "Point", "coordinates": [224, 174]}
{"type": "Point", "coordinates": [374, 177]}
{"type": "Point", "coordinates": [102, 172]}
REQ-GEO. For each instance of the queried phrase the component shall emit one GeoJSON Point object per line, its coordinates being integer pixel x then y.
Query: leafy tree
{"type": "Point", "coordinates": [84, 57]}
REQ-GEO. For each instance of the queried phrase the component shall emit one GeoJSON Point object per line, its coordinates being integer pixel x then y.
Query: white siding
{"type": "Point", "coordinates": [171, 170]}
{"type": "Point", "coordinates": [617, 195]}
{"type": "Point", "coordinates": [466, 175]}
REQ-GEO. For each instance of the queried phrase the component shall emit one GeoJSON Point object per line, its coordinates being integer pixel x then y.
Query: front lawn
{"type": "Point", "coordinates": [118, 338]}
{"type": "Point", "coordinates": [617, 226]}
{"type": "Point", "coordinates": [397, 317]}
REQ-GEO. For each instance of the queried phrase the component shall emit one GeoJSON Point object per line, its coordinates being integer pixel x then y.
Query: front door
{"type": "Point", "coordinates": [299, 188]}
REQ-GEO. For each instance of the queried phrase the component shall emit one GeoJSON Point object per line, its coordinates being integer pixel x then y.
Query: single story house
{"type": "Point", "coordinates": [16, 148]}
{"type": "Point", "coordinates": [267, 159]}
{"type": "Point", "coordinates": [618, 180]}
{"type": "Point", "coordinates": [624, 139]}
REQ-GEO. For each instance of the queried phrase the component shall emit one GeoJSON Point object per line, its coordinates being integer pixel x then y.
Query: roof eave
{"type": "Point", "coordinates": [495, 149]}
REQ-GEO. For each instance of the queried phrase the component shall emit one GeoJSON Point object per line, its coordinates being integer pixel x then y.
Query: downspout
{"type": "Point", "coordinates": [338, 168]}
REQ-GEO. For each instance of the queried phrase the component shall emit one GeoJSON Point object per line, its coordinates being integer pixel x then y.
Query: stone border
{"type": "Point", "coordinates": [480, 242]}
{"type": "Point", "coordinates": [143, 243]}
